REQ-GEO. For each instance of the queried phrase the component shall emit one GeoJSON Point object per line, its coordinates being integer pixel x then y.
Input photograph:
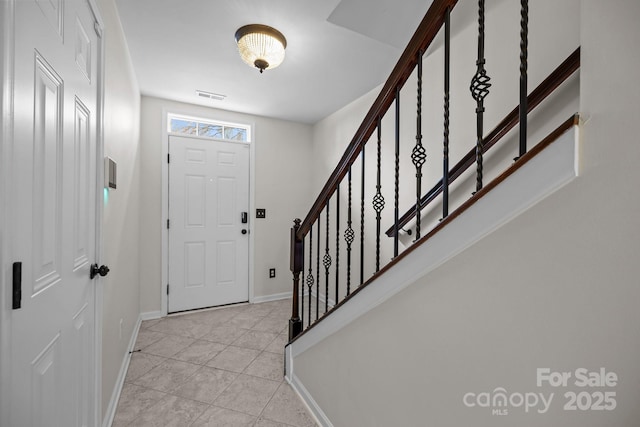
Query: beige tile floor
{"type": "Point", "coordinates": [221, 367]}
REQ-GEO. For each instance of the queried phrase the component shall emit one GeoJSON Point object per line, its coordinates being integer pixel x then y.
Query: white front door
{"type": "Point", "coordinates": [208, 223]}
{"type": "Point", "coordinates": [53, 213]}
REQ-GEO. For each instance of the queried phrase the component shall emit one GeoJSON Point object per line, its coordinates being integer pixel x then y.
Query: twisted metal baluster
{"type": "Point", "coordinates": [301, 294]}
{"type": "Point", "coordinates": [337, 240]}
{"type": "Point", "coordinates": [445, 152]}
{"type": "Point", "coordinates": [362, 221]}
{"type": "Point", "coordinates": [524, 41]}
{"type": "Point", "coordinates": [378, 199]}
{"type": "Point", "coordinates": [318, 270]}
{"type": "Point", "coordinates": [348, 237]}
{"type": "Point", "coordinates": [418, 154]}
{"type": "Point", "coordinates": [310, 274]}
{"type": "Point", "coordinates": [396, 210]}
{"type": "Point", "coordinates": [479, 90]}
{"type": "Point", "coordinates": [326, 261]}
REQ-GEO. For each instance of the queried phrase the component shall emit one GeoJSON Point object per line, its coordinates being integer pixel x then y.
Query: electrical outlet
{"type": "Point", "coordinates": [261, 213]}
{"type": "Point", "coordinates": [272, 273]}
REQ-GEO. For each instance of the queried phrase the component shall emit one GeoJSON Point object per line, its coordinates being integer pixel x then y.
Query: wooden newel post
{"type": "Point", "coordinates": [297, 265]}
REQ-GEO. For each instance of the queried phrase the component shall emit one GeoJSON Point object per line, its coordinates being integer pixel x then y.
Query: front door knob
{"type": "Point", "coordinates": [244, 231]}
{"type": "Point", "coordinates": [103, 270]}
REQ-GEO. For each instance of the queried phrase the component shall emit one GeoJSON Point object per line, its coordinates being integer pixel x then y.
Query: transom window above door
{"type": "Point", "coordinates": [195, 126]}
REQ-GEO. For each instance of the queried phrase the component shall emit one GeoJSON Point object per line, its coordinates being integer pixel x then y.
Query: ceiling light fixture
{"type": "Point", "coordinates": [261, 46]}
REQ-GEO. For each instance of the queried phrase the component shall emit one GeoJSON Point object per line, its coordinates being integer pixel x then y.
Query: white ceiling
{"type": "Point", "coordinates": [336, 51]}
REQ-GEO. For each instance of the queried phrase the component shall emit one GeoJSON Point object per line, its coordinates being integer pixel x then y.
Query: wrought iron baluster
{"type": "Point", "coordinates": [378, 199]}
{"type": "Point", "coordinates": [337, 241]}
{"type": "Point", "coordinates": [310, 274]}
{"type": "Point", "coordinates": [479, 90]}
{"type": "Point", "coordinates": [362, 221]}
{"type": "Point", "coordinates": [445, 152]}
{"type": "Point", "coordinates": [418, 154]}
{"type": "Point", "coordinates": [396, 209]}
{"type": "Point", "coordinates": [524, 41]}
{"type": "Point", "coordinates": [318, 270]}
{"type": "Point", "coordinates": [302, 282]}
{"type": "Point", "coordinates": [326, 261]}
{"type": "Point", "coordinates": [348, 237]}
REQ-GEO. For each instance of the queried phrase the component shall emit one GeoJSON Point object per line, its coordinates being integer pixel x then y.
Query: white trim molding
{"type": "Point", "coordinates": [150, 315]}
{"type": "Point", "coordinates": [272, 297]}
{"type": "Point", "coordinates": [7, 35]}
{"type": "Point", "coordinates": [110, 413]}
{"type": "Point", "coordinates": [308, 400]}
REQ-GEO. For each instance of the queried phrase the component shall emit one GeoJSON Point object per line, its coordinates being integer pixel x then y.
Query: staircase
{"type": "Point", "coordinates": [394, 212]}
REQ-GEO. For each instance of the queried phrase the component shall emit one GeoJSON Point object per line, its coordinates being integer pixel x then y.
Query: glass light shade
{"type": "Point", "coordinates": [261, 46]}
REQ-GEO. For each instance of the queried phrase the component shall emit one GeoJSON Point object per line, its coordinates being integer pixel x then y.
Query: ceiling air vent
{"type": "Point", "coordinates": [210, 95]}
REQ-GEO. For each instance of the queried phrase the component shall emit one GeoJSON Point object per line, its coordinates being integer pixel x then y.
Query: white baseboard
{"type": "Point", "coordinates": [117, 389]}
{"type": "Point", "coordinates": [272, 297]}
{"type": "Point", "coordinates": [150, 315]}
{"type": "Point", "coordinates": [312, 406]}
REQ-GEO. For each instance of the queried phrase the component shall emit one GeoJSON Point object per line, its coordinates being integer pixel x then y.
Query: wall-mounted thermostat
{"type": "Point", "coordinates": [110, 170]}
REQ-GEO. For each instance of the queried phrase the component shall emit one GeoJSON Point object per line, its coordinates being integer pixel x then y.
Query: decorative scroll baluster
{"type": "Point", "coordinates": [378, 199]}
{"type": "Point", "coordinates": [396, 209]}
{"type": "Point", "coordinates": [362, 221]}
{"type": "Point", "coordinates": [418, 154]}
{"type": "Point", "coordinates": [318, 270]}
{"type": "Point", "coordinates": [348, 237]}
{"type": "Point", "coordinates": [310, 279]}
{"type": "Point", "coordinates": [326, 261]}
{"type": "Point", "coordinates": [337, 241]}
{"type": "Point", "coordinates": [479, 90]}
{"type": "Point", "coordinates": [524, 41]}
{"type": "Point", "coordinates": [445, 152]}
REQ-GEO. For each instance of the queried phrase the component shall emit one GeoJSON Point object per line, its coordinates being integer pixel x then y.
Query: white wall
{"type": "Point", "coordinates": [282, 183]}
{"type": "Point", "coordinates": [121, 209]}
{"type": "Point", "coordinates": [555, 288]}
{"type": "Point", "coordinates": [554, 35]}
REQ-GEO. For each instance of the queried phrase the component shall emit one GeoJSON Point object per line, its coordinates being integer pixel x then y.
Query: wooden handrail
{"type": "Point", "coordinates": [544, 89]}
{"type": "Point", "coordinates": [574, 120]}
{"type": "Point", "coordinates": [421, 40]}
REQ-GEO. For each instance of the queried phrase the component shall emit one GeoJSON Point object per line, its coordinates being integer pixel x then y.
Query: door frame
{"type": "Point", "coordinates": [164, 306]}
{"type": "Point", "coordinates": [7, 64]}
{"type": "Point", "coordinates": [7, 25]}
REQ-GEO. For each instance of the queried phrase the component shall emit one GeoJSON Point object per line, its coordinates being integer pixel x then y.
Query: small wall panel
{"type": "Point", "coordinates": [83, 50]}
{"type": "Point", "coordinates": [195, 201]}
{"type": "Point", "coordinates": [194, 264]}
{"type": "Point", "coordinates": [53, 10]}
{"type": "Point", "coordinates": [227, 211]}
{"type": "Point", "coordinates": [193, 155]}
{"type": "Point", "coordinates": [82, 372]}
{"type": "Point", "coordinates": [47, 175]}
{"type": "Point", "coordinates": [226, 158]}
{"type": "Point", "coordinates": [45, 385]}
{"type": "Point", "coordinates": [81, 185]}
{"type": "Point", "coordinates": [226, 263]}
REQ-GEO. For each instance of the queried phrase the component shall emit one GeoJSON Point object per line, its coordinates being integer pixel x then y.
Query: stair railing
{"type": "Point", "coordinates": [313, 288]}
